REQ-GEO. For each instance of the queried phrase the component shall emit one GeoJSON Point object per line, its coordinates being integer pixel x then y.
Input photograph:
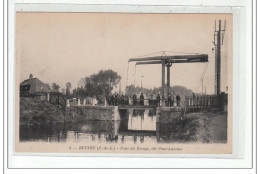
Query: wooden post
{"type": "Point", "coordinates": [68, 103]}
{"type": "Point", "coordinates": [105, 103]}
{"type": "Point", "coordinates": [163, 82]}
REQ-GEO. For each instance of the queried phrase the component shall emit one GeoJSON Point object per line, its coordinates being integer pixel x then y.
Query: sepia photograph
{"type": "Point", "coordinates": [133, 83]}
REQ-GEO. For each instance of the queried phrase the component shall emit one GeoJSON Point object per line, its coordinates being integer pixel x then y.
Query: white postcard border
{"type": "Point", "coordinates": [240, 64]}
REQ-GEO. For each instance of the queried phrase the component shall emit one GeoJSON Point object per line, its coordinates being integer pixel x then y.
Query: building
{"type": "Point", "coordinates": [35, 88]}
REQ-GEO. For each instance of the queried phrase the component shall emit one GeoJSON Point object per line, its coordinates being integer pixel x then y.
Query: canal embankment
{"type": "Point", "coordinates": [37, 112]}
{"type": "Point", "coordinates": [207, 127]}
{"type": "Point", "coordinates": [203, 127]}
{"type": "Point", "coordinates": [102, 113]}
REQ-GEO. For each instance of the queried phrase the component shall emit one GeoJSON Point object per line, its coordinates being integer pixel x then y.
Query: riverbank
{"type": "Point", "coordinates": [36, 112]}
{"type": "Point", "coordinates": [209, 127]}
{"type": "Point", "coordinates": [200, 127]}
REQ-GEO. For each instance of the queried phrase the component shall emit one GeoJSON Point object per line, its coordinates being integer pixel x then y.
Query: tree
{"type": "Point", "coordinates": [55, 86]}
{"type": "Point", "coordinates": [82, 82]}
{"type": "Point", "coordinates": [68, 87]}
{"type": "Point", "coordinates": [48, 85]}
{"type": "Point", "coordinates": [102, 83]}
{"type": "Point", "coordinates": [63, 91]}
{"type": "Point", "coordinates": [98, 85]}
{"type": "Point", "coordinates": [79, 93]}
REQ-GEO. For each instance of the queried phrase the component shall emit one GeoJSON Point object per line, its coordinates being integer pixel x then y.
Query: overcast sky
{"type": "Point", "coordinates": [65, 47]}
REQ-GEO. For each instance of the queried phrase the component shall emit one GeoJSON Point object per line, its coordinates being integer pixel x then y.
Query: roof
{"type": "Point", "coordinates": [35, 85]}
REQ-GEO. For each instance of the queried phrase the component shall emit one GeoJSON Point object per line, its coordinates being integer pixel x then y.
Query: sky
{"type": "Point", "coordinates": [65, 47]}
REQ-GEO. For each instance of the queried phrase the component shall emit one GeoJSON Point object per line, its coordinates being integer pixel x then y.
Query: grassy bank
{"type": "Point", "coordinates": [200, 127]}
{"type": "Point", "coordinates": [35, 112]}
{"type": "Point", "coordinates": [208, 127]}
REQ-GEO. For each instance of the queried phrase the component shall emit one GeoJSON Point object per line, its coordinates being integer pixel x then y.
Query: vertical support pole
{"type": "Point", "coordinates": [218, 58]}
{"type": "Point", "coordinates": [163, 82]}
{"type": "Point", "coordinates": [168, 79]}
{"type": "Point", "coordinates": [218, 63]}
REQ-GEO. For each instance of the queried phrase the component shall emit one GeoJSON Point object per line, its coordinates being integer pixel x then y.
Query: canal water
{"type": "Point", "coordinates": [135, 126]}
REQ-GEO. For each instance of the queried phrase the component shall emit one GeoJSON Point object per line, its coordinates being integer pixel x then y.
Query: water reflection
{"type": "Point", "coordinates": [140, 120]}
{"type": "Point", "coordinates": [136, 126]}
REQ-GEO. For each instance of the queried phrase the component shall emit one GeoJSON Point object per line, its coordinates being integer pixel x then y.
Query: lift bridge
{"type": "Point", "coordinates": [166, 61]}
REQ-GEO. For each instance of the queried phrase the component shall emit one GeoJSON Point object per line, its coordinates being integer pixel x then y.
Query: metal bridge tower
{"type": "Point", "coordinates": [218, 41]}
{"type": "Point", "coordinates": [167, 61]}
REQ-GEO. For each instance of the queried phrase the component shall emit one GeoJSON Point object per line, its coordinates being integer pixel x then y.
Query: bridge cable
{"type": "Point", "coordinates": [202, 77]}
{"type": "Point", "coordinates": [134, 75]}
{"type": "Point", "coordinates": [147, 55]}
{"type": "Point", "coordinates": [127, 75]}
{"type": "Point", "coordinates": [180, 52]}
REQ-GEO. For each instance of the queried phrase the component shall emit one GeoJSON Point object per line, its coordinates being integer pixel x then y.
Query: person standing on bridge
{"type": "Point", "coordinates": [126, 100]}
{"type": "Point", "coordinates": [150, 101]}
{"type": "Point", "coordinates": [134, 100]}
{"type": "Point", "coordinates": [108, 100]}
{"type": "Point", "coordinates": [169, 100]}
{"type": "Point", "coordinates": [178, 99]}
{"type": "Point", "coordinates": [122, 99]}
{"type": "Point", "coordinates": [172, 101]}
{"type": "Point", "coordinates": [117, 98]}
{"type": "Point", "coordinates": [158, 98]}
{"type": "Point", "coordinates": [112, 100]}
{"type": "Point", "coordinates": [142, 99]}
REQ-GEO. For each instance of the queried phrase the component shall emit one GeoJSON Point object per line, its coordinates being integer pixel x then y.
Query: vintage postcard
{"type": "Point", "coordinates": [123, 83]}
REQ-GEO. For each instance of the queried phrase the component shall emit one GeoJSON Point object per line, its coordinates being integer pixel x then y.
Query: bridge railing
{"type": "Point", "coordinates": [120, 102]}
{"type": "Point", "coordinates": [92, 101]}
{"type": "Point", "coordinates": [81, 102]}
{"type": "Point", "coordinates": [204, 101]}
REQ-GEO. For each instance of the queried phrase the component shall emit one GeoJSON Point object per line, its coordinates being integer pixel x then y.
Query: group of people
{"type": "Point", "coordinates": [141, 100]}
{"type": "Point", "coordinates": [116, 99]}
{"type": "Point", "coordinates": [170, 100]}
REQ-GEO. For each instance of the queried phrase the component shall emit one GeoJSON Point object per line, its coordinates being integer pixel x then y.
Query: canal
{"type": "Point", "coordinates": [135, 126]}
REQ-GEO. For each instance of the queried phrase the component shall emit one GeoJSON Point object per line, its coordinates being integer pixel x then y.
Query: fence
{"type": "Point", "coordinates": [206, 102]}
{"type": "Point", "coordinates": [81, 102]}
